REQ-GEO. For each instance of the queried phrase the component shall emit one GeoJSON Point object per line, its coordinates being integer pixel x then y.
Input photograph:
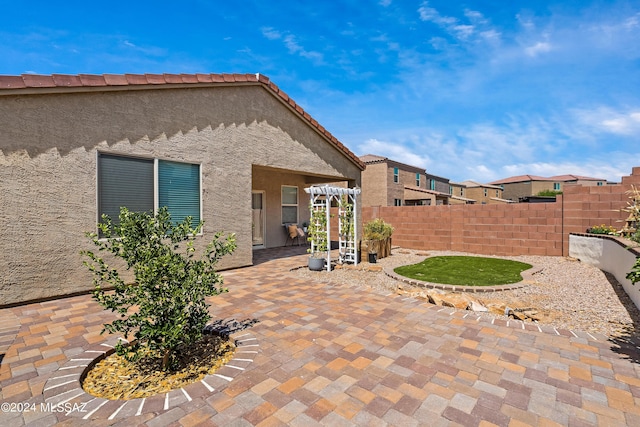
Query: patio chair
{"type": "Point", "coordinates": [293, 233]}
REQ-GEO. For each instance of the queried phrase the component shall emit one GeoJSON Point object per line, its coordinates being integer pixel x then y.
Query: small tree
{"type": "Point", "coordinates": [165, 309]}
{"type": "Point", "coordinates": [634, 274]}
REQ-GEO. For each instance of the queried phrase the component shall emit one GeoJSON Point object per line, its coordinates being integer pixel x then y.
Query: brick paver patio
{"type": "Point", "coordinates": [330, 355]}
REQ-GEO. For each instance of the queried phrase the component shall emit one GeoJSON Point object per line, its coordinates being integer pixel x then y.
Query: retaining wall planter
{"type": "Point", "coordinates": [612, 254]}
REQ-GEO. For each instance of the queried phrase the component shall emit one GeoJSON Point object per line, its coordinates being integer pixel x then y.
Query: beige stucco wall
{"type": "Point", "coordinates": [516, 190]}
{"type": "Point", "coordinates": [477, 194]}
{"type": "Point", "coordinates": [48, 146]}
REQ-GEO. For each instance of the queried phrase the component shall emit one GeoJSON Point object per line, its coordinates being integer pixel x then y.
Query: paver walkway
{"type": "Point", "coordinates": [333, 355]}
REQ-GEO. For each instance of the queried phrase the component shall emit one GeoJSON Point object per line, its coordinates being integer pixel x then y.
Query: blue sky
{"type": "Point", "coordinates": [477, 90]}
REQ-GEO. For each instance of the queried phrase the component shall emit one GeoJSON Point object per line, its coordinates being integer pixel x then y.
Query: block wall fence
{"type": "Point", "coordinates": [508, 229]}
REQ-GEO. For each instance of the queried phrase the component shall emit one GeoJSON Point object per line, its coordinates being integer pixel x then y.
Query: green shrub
{"type": "Point", "coordinates": [603, 229]}
{"type": "Point", "coordinates": [317, 232]}
{"type": "Point", "coordinates": [634, 274]}
{"type": "Point", "coordinates": [165, 309]}
{"type": "Point", "coordinates": [549, 193]}
{"type": "Point", "coordinates": [377, 229]}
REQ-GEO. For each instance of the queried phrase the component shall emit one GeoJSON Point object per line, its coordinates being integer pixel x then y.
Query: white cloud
{"type": "Point", "coordinates": [292, 45]}
{"type": "Point", "coordinates": [608, 120]}
{"type": "Point", "coordinates": [463, 31]}
{"type": "Point", "coordinates": [477, 27]}
{"type": "Point", "coordinates": [151, 50]}
{"type": "Point", "coordinates": [539, 47]}
{"type": "Point", "coordinates": [427, 13]}
{"type": "Point", "coordinates": [385, 3]}
{"type": "Point", "coordinates": [526, 23]}
{"type": "Point", "coordinates": [475, 16]}
{"type": "Point", "coordinates": [632, 22]}
{"type": "Point", "coordinates": [271, 33]}
{"type": "Point", "coordinates": [398, 152]}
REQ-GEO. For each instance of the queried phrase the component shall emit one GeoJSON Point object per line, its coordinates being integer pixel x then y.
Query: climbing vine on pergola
{"type": "Point", "coordinates": [321, 198]}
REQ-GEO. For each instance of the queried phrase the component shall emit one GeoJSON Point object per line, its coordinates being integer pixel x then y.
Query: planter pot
{"type": "Point", "coordinates": [373, 258]}
{"type": "Point", "coordinates": [316, 264]}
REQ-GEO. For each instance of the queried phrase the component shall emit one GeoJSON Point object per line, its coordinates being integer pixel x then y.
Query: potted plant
{"type": "Point", "coordinates": [317, 236]}
{"type": "Point", "coordinates": [377, 239]}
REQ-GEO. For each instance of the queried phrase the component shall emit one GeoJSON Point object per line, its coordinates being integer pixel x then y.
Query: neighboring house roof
{"type": "Point", "coordinates": [566, 178]}
{"type": "Point", "coordinates": [55, 83]}
{"type": "Point", "coordinates": [471, 184]}
{"type": "Point", "coordinates": [424, 190]}
{"type": "Point", "coordinates": [519, 178]}
{"type": "Point", "coordinates": [372, 158]}
{"type": "Point", "coordinates": [502, 200]}
{"type": "Point", "coordinates": [562, 178]}
{"type": "Point", "coordinates": [463, 199]}
{"type": "Point", "coordinates": [436, 177]}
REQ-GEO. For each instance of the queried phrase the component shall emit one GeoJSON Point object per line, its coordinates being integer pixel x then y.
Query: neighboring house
{"type": "Point", "coordinates": [231, 149]}
{"type": "Point", "coordinates": [441, 187]}
{"type": "Point", "coordinates": [481, 193]}
{"type": "Point", "coordinates": [458, 194]}
{"type": "Point", "coordinates": [386, 182]}
{"type": "Point", "coordinates": [518, 187]}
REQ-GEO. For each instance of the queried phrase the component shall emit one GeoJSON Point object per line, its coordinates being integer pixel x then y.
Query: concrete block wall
{"type": "Point", "coordinates": [513, 229]}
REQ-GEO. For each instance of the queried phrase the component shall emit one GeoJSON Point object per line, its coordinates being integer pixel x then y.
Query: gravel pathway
{"type": "Point", "coordinates": [569, 294]}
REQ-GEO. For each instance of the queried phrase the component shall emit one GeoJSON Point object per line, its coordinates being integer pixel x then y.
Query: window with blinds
{"type": "Point", "coordinates": [179, 190]}
{"type": "Point", "coordinates": [130, 182]}
{"type": "Point", "coordinates": [289, 204]}
{"type": "Point", "coordinates": [124, 181]}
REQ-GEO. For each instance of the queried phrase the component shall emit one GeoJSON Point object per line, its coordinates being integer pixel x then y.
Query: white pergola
{"type": "Point", "coordinates": [321, 197]}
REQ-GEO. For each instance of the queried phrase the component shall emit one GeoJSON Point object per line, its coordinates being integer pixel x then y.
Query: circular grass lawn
{"type": "Point", "coordinates": [465, 271]}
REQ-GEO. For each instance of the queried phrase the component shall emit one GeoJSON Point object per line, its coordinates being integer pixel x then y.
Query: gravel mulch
{"type": "Point", "coordinates": [570, 294]}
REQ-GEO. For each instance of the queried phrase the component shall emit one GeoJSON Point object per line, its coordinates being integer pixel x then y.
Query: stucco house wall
{"type": "Point", "coordinates": [50, 139]}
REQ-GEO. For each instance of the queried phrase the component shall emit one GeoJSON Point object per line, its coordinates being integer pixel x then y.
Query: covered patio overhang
{"type": "Point", "coordinates": [279, 199]}
{"type": "Point", "coordinates": [422, 196]}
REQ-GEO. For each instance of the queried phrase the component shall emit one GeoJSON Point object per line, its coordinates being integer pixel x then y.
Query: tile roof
{"type": "Point", "coordinates": [35, 83]}
{"type": "Point", "coordinates": [519, 178]}
{"type": "Point", "coordinates": [424, 190]}
{"type": "Point", "coordinates": [574, 178]}
{"type": "Point", "coordinates": [372, 158]}
{"type": "Point", "coordinates": [562, 178]}
{"type": "Point", "coordinates": [471, 184]}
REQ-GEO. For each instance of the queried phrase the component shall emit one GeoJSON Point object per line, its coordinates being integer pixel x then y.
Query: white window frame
{"type": "Point", "coordinates": [397, 202]}
{"type": "Point", "coordinates": [297, 204]}
{"type": "Point", "coordinates": [396, 175]}
{"type": "Point", "coordinates": [156, 186]}
{"type": "Point", "coordinates": [418, 179]}
{"type": "Point", "coordinates": [556, 186]}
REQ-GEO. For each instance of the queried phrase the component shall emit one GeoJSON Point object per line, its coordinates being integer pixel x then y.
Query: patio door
{"type": "Point", "coordinates": [258, 218]}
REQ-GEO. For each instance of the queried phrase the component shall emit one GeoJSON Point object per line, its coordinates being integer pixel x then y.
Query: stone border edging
{"type": "Point", "coordinates": [527, 278]}
{"type": "Point", "coordinates": [64, 393]}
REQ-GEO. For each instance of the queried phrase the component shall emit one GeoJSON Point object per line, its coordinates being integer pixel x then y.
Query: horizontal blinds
{"type": "Point", "coordinates": [124, 181]}
{"type": "Point", "coordinates": [290, 214]}
{"type": "Point", "coordinates": [179, 190]}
